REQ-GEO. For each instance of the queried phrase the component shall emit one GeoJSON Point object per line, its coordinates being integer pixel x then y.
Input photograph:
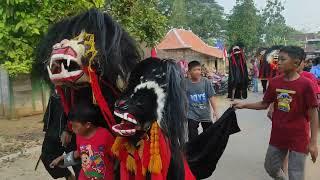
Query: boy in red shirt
{"type": "Point", "coordinates": [311, 77]}
{"type": "Point", "coordinates": [295, 113]}
{"type": "Point", "coordinates": [93, 144]}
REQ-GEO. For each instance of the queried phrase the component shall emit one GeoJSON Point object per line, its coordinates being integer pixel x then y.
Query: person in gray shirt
{"type": "Point", "coordinates": [200, 94]}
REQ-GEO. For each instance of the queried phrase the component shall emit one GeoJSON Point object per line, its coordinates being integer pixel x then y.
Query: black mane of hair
{"type": "Point", "coordinates": [175, 116]}
{"type": "Point", "coordinates": [240, 44]}
{"type": "Point", "coordinates": [117, 51]}
{"type": "Point", "coordinates": [174, 119]}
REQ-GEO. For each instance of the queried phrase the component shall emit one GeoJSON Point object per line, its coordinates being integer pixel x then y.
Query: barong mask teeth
{"type": "Point", "coordinates": [143, 103]}
{"type": "Point", "coordinates": [236, 50]}
{"type": "Point", "coordinates": [140, 109]}
{"type": "Point", "coordinates": [273, 57]}
{"type": "Point", "coordinates": [66, 60]}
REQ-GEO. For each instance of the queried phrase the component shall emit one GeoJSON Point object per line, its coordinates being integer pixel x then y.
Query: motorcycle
{"type": "Point", "coordinates": [220, 84]}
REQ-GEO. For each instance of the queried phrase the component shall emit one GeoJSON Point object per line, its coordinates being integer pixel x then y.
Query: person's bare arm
{"type": "Point", "coordinates": [314, 124]}
{"type": "Point", "coordinates": [56, 161]}
{"type": "Point", "coordinates": [76, 155]}
{"type": "Point", "coordinates": [214, 107]}
{"type": "Point", "coordinates": [270, 112]}
{"type": "Point", "coordinates": [257, 105]}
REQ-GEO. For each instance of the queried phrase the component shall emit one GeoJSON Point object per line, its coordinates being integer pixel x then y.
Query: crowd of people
{"type": "Point", "coordinates": [112, 116]}
{"type": "Point", "coordinates": [290, 87]}
{"type": "Point", "coordinates": [292, 98]}
{"type": "Point", "coordinates": [290, 93]}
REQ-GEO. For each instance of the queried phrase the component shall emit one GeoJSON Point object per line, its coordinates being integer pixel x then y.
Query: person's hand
{"type": "Point", "coordinates": [216, 116]}
{"type": "Point", "coordinates": [65, 138]}
{"type": "Point", "coordinates": [237, 105]}
{"type": "Point", "coordinates": [313, 150]}
{"type": "Point", "coordinates": [56, 161]}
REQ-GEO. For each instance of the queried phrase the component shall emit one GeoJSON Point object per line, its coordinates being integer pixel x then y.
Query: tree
{"type": "Point", "coordinates": [204, 17]}
{"type": "Point", "coordinates": [243, 24]}
{"type": "Point", "coordinates": [140, 18]}
{"type": "Point", "coordinates": [22, 24]}
{"type": "Point", "coordinates": [275, 29]}
{"type": "Point", "coordinates": [179, 14]}
{"type": "Point", "coordinates": [165, 7]}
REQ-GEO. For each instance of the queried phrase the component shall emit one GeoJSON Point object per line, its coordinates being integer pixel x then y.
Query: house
{"type": "Point", "coordinates": [180, 44]}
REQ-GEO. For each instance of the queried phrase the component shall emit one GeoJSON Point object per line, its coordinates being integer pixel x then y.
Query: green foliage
{"type": "Point", "coordinates": [140, 18]}
{"type": "Point", "coordinates": [23, 22]}
{"type": "Point", "coordinates": [165, 7]}
{"type": "Point", "coordinates": [243, 24]}
{"type": "Point", "coordinates": [179, 14]}
{"type": "Point", "coordinates": [204, 17]}
{"type": "Point", "coordinates": [274, 24]}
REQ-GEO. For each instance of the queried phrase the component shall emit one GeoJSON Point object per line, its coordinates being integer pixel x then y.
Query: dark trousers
{"type": "Point", "coordinates": [51, 149]}
{"type": "Point", "coordinates": [264, 85]}
{"type": "Point", "coordinates": [193, 127]}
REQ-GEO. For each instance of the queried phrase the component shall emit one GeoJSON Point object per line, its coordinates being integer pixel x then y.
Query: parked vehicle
{"type": "Point", "coordinates": [220, 83]}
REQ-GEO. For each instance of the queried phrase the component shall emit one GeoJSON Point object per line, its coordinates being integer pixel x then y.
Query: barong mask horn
{"type": "Point", "coordinates": [66, 66]}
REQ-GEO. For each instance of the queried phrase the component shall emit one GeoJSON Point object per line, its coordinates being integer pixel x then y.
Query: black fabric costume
{"type": "Point", "coordinates": [204, 151]}
{"type": "Point", "coordinates": [238, 74]}
{"type": "Point", "coordinates": [55, 122]}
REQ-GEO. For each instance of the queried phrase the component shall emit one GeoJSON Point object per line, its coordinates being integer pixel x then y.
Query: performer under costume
{"type": "Point", "coordinates": [55, 122]}
{"type": "Point", "coordinates": [260, 57]}
{"type": "Point", "coordinates": [151, 134]}
{"type": "Point", "coordinates": [152, 131]}
{"type": "Point", "coordinates": [269, 65]}
{"type": "Point", "coordinates": [238, 74]}
{"type": "Point", "coordinates": [88, 58]}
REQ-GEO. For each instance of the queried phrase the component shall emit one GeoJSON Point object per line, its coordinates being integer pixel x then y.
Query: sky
{"type": "Point", "coordinates": [301, 14]}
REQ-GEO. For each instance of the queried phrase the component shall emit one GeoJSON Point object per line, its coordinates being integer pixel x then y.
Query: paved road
{"type": "Point", "coordinates": [242, 160]}
{"type": "Point", "coordinates": [244, 155]}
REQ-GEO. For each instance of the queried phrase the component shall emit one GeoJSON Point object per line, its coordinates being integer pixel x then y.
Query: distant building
{"type": "Point", "coordinates": [180, 44]}
{"type": "Point", "coordinates": [310, 42]}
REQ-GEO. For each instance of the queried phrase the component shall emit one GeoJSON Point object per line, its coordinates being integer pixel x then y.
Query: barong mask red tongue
{"type": "Point", "coordinates": [143, 102]}
{"type": "Point", "coordinates": [137, 111]}
{"type": "Point", "coordinates": [66, 68]}
{"type": "Point", "coordinates": [273, 58]}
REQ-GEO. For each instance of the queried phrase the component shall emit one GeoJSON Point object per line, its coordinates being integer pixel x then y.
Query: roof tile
{"type": "Point", "coordinates": [184, 39]}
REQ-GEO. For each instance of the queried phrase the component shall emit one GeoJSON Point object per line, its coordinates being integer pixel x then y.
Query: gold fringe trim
{"type": "Point", "coordinates": [116, 146]}
{"type": "Point", "coordinates": [131, 164]}
{"type": "Point", "coordinates": [155, 163]}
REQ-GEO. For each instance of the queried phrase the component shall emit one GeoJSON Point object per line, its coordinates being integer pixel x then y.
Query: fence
{"type": "Point", "coordinates": [21, 96]}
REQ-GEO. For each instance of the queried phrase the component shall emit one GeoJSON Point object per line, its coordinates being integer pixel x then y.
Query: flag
{"type": "Point", "coordinates": [153, 52]}
{"type": "Point", "coordinates": [220, 45]}
{"type": "Point", "coordinates": [225, 54]}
